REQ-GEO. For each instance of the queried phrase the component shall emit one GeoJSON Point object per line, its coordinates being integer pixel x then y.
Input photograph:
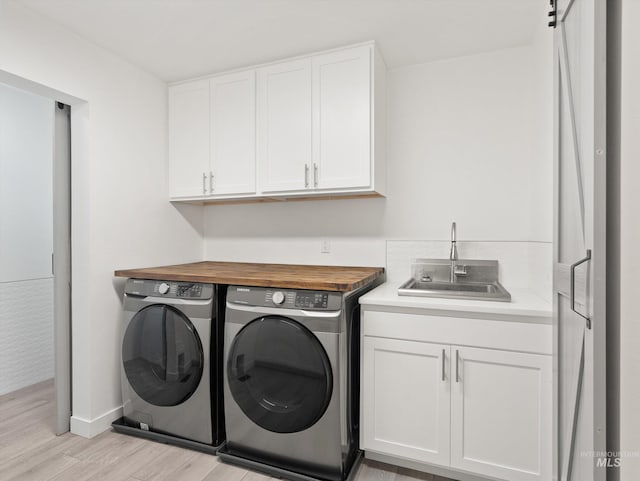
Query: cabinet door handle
{"type": "Point", "coordinates": [586, 258]}
{"type": "Point", "coordinates": [443, 364]}
{"type": "Point", "coordinates": [315, 174]}
{"type": "Point", "coordinates": [306, 175]}
{"type": "Point", "coordinates": [211, 182]}
{"type": "Point", "coordinates": [204, 183]}
{"type": "Point", "coordinates": [457, 366]}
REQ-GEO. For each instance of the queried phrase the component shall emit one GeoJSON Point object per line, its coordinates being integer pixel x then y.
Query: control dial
{"type": "Point", "coordinates": [164, 288]}
{"type": "Point", "coordinates": [278, 297]}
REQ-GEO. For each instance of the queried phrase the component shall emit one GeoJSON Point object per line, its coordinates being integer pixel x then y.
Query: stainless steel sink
{"type": "Point", "coordinates": [493, 291]}
{"type": "Point", "coordinates": [458, 279]}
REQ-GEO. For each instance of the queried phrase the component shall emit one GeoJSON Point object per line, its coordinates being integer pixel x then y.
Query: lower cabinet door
{"type": "Point", "coordinates": [406, 399]}
{"type": "Point", "coordinates": [501, 413]}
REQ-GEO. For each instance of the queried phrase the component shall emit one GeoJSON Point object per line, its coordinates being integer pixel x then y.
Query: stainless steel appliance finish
{"type": "Point", "coordinates": [292, 379]}
{"type": "Point", "coordinates": [442, 278]}
{"type": "Point", "coordinates": [170, 344]}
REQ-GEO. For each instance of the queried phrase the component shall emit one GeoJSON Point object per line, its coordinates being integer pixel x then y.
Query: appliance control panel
{"type": "Point", "coordinates": [169, 289]}
{"type": "Point", "coordinates": [285, 298]}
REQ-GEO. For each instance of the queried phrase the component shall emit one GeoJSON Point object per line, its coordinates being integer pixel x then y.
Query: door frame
{"type": "Point", "coordinates": [62, 265]}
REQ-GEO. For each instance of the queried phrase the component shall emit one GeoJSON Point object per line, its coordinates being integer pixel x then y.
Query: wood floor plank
{"type": "Point", "coordinates": [43, 471]}
{"type": "Point", "coordinates": [375, 471]}
{"type": "Point", "coordinates": [405, 474]}
{"type": "Point", "coordinates": [30, 451]}
{"type": "Point", "coordinates": [48, 453]}
{"type": "Point", "coordinates": [45, 387]}
{"type": "Point", "coordinates": [226, 472]}
{"type": "Point", "coordinates": [113, 466]}
{"type": "Point", "coordinates": [253, 476]}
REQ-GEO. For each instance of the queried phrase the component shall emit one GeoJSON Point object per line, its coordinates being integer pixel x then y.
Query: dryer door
{"type": "Point", "coordinates": [162, 355]}
{"type": "Point", "coordinates": [279, 374]}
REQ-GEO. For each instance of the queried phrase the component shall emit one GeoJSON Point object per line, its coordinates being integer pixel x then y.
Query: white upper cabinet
{"type": "Point", "coordinates": [233, 158]}
{"type": "Point", "coordinates": [342, 117]}
{"type": "Point", "coordinates": [308, 126]}
{"type": "Point", "coordinates": [284, 126]}
{"type": "Point", "coordinates": [189, 139]}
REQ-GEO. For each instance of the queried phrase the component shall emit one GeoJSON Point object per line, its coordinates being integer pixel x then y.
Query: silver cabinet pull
{"type": "Point", "coordinates": [586, 258]}
{"type": "Point", "coordinates": [457, 366]}
{"type": "Point", "coordinates": [315, 174]}
{"type": "Point", "coordinates": [211, 182]}
{"type": "Point", "coordinates": [306, 175]}
{"type": "Point", "coordinates": [204, 183]}
{"type": "Point", "coordinates": [443, 364]}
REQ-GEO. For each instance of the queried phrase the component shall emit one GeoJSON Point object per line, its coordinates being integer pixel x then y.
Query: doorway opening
{"type": "Point", "coordinates": [35, 248]}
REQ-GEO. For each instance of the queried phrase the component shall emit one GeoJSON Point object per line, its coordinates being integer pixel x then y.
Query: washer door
{"type": "Point", "coordinates": [279, 374]}
{"type": "Point", "coordinates": [162, 355]}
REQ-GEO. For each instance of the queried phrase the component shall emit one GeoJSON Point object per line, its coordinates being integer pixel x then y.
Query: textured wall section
{"type": "Point", "coordinates": [26, 324]}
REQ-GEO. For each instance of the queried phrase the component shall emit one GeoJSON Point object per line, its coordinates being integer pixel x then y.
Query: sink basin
{"type": "Point", "coordinates": [489, 291]}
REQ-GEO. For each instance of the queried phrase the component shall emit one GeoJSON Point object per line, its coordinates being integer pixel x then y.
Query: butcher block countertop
{"type": "Point", "coordinates": [326, 278]}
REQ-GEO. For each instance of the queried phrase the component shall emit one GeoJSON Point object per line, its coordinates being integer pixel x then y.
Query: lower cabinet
{"type": "Point", "coordinates": [406, 399]}
{"type": "Point", "coordinates": [484, 411]}
{"type": "Point", "coordinates": [501, 413]}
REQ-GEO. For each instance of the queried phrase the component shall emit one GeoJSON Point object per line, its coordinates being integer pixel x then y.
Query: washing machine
{"type": "Point", "coordinates": [292, 381]}
{"type": "Point", "coordinates": [172, 361]}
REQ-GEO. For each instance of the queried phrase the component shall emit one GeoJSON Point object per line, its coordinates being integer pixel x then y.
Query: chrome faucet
{"type": "Point", "coordinates": [453, 254]}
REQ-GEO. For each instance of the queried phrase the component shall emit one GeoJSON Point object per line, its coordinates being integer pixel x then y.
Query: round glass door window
{"type": "Point", "coordinates": [279, 374]}
{"type": "Point", "coordinates": [162, 355]}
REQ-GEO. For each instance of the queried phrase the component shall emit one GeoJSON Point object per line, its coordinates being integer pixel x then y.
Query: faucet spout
{"type": "Point", "coordinates": [453, 253]}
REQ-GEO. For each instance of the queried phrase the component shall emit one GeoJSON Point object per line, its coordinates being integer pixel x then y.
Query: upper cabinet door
{"type": "Point", "coordinates": [342, 119]}
{"type": "Point", "coordinates": [189, 138]}
{"type": "Point", "coordinates": [284, 126]}
{"type": "Point", "coordinates": [233, 118]}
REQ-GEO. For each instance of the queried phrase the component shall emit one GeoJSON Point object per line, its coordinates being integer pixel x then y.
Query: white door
{"type": "Point", "coordinates": [284, 126]}
{"type": "Point", "coordinates": [342, 119]}
{"type": "Point", "coordinates": [189, 139]}
{"type": "Point", "coordinates": [233, 119]}
{"type": "Point", "coordinates": [579, 244]}
{"type": "Point", "coordinates": [405, 399]}
{"type": "Point", "coordinates": [500, 411]}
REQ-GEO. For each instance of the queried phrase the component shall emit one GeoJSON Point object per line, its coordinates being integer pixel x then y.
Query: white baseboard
{"type": "Point", "coordinates": [90, 428]}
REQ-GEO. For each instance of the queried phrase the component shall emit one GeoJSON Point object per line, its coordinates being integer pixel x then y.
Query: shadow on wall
{"type": "Point", "coordinates": [307, 218]}
{"type": "Point", "coordinates": [193, 215]}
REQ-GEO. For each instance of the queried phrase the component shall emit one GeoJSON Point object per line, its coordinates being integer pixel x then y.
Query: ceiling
{"type": "Point", "coordinates": [180, 39]}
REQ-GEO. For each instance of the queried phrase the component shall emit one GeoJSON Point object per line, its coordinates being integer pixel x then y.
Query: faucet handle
{"type": "Point", "coordinates": [460, 270]}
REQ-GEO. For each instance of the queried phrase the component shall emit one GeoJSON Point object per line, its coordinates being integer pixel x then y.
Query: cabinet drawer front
{"type": "Point", "coordinates": [507, 335]}
{"type": "Point", "coordinates": [501, 413]}
{"type": "Point", "coordinates": [406, 399]}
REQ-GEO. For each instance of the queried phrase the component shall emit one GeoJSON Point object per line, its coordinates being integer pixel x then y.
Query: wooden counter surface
{"type": "Point", "coordinates": [326, 278]}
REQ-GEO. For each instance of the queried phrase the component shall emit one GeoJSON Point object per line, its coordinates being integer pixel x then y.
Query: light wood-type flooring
{"type": "Point", "coordinates": [30, 451]}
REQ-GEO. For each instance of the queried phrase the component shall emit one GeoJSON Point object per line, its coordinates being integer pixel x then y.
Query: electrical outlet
{"type": "Point", "coordinates": [325, 247]}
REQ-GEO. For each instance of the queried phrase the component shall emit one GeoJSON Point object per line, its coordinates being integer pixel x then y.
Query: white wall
{"type": "Point", "coordinates": [629, 241]}
{"type": "Point", "coordinates": [26, 191]}
{"type": "Point", "coordinates": [121, 217]}
{"type": "Point", "coordinates": [464, 144]}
